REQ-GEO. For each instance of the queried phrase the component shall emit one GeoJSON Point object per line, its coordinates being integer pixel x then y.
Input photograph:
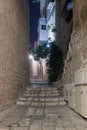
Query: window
{"type": "Point", "coordinates": [43, 27]}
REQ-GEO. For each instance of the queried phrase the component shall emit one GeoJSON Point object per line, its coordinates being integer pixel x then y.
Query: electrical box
{"type": "Point", "coordinates": [81, 92]}
{"type": "Point", "coordinates": [71, 97]}
{"type": "Point", "coordinates": [81, 100]}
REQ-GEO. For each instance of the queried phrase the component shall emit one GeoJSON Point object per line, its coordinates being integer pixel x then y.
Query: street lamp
{"type": "Point", "coordinates": [30, 56]}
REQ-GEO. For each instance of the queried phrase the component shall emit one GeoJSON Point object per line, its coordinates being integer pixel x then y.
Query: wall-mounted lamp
{"type": "Point", "coordinates": [30, 56]}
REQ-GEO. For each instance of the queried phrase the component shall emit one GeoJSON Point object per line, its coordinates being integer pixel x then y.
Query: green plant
{"type": "Point", "coordinates": [53, 29]}
{"type": "Point", "coordinates": [55, 63]}
{"type": "Point", "coordinates": [41, 51]}
{"type": "Point", "coordinates": [48, 26]}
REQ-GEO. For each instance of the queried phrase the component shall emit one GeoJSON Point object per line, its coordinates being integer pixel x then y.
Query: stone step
{"type": "Point", "coordinates": [32, 92]}
{"type": "Point", "coordinates": [38, 99]}
{"type": "Point", "coordinates": [48, 94]}
{"type": "Point", "coordinates": [41, 99]}
{"type": "Point", "coordinates": [46, 101]}
{"type": "Point", "coordinates": [49, 89]}
{"type": "Point", "coordinates": [40, 83]}
{"type": "Point", "coordinates": [42, 103]}
{"type": "Point", "coordinates": [41, 96]}
{"type": "Point", "coordinates": [41, 89]}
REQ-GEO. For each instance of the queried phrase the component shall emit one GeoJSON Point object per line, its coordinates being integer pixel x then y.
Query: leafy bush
{"type": "Point", "coordinates": [41, 51]}
{"type": "Point", "coordinates": [55, 63]}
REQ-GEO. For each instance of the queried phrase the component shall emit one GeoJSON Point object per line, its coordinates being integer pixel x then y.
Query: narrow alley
{"type": "Point", "coordinates": [41, 108]}
{"type": "Point", "coordinates": [43, 64]}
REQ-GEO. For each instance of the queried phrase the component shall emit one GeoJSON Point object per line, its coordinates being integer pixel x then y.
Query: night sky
{"type": "Point", "coordinates": [34, 15]}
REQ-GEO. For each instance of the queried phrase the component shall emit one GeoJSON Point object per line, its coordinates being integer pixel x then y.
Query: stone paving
{"type": "Point", "coordinates": [45, 117]}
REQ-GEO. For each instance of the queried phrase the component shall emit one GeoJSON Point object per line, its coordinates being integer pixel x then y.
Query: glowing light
{"type": "Point", "coordinates": [48, 45]}
{"type": "Point", "coordinates": [30, 56]}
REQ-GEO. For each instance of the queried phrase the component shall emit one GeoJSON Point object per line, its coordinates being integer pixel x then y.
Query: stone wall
{"type": "Point", "coordinates": [63, 28]}
{"type": "Point", "coordinates": [77, 55]}
{"type": "Point", "coordinates": [14, 48]}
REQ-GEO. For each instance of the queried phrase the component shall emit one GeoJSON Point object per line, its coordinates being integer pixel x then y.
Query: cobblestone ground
{"type": "Point", "coordinates": [45, 117]}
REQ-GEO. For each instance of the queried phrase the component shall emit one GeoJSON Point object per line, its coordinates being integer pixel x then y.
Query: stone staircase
{"type": "Point", "coordinates": [41, 96]}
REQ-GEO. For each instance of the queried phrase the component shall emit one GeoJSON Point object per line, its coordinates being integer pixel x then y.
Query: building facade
{"type": "Point", "coordinates": [42, 8]}
{"type": "Point", "coordinates": [42, 31]}
{"type": "Point", "coordinates": [51, 21]}
{"type": "Point", "coordinates": [14, 49]}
